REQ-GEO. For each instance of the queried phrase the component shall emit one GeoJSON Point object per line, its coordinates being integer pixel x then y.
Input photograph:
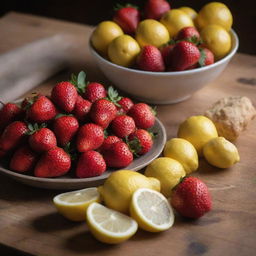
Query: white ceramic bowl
{"type": "Point", "coordinates": [162, 87]}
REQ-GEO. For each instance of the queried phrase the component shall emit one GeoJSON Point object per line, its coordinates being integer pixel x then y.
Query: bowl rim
{"type": "Point", "coordinates": [235, 44]}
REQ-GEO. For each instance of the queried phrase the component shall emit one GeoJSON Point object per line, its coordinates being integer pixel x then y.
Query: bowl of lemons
{"type": "Point", "coordinates": [165, 57]}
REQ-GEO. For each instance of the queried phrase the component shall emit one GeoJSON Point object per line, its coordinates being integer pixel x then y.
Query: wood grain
{"type": "Point", "coordinates": [30, 223]}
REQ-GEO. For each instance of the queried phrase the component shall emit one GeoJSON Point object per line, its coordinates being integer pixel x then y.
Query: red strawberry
{"type": "Point", "coordinates": [13, 135]}
{"type": "Point", "coordinates": [41, 139]}
{"type": "Point", "coordinates": [123, 126]}
{"type": "Point", "coordinates": [82, 109]}
{"type": "Point", "coordinates": [140, 141]}
{"type": "Point", "coordinates": [90, 136]}
{"type": "Point", "coordinates": [118, 156]}
{"type": "Point", "coordinates": [191, 198]}
{"type": "Point", "coordinates": [184, 55]}
{"type": "Point", "coordinates": [154, 9]}
{"type": "Point", "coordinates": [90, 164]}
{"type": "Point", "coordinates": [143, 115]}
{"type": "Point", "coordinates": [42, 110]}
{"type": "Point", "coordinates": [94, 91]}
{"type": "Point", "coordinates": [188, 33]}
{"type": "Point", "coordinates": [53, 163]}
{"type": "Point", "coordinates": [166, 51]}
{"type": "Point", "coordinates": [127, 17]}
{"type": "Point", "coordinates": [150, 59]}
{"type": "Point", "coordinates": [126, 104]}
{"type": "Point", "coordinates": [108, 142]}
{"type": "Point", "coordinates": [64, 95]}
{"type": "Point", "coordinates": [65, 128]}
{"type": "Point", "coordinates": [23, 159]}
{"type": "Point", "coordinates": [206, 58]}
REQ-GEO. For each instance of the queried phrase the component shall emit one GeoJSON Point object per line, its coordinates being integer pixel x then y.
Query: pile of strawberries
{"type": "Point", "coordinates": [80, 125]}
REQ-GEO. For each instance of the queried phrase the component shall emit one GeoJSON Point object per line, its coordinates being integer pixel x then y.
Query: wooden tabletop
{"type": "Point", "coordinates": [30, 223]}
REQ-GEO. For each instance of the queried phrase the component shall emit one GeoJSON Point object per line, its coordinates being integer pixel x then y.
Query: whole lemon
{"type": "Point", "coordinates": [104, 33]}
{"type": "Point", "coordinates": [174, 20]}
{"type": "Point", "coordinates": [123, 50]}
{"type": "Point", "coordinates": [168, 171]}
{"type": "Point", "coordinates": [117, 190]}
{"type": "Point", "coordinates": [182, 151]}
{"type": "Point", "coordinates": [198, 130]}
{"type": "Point", "coordinates": [151, 32]}
{"type": "Point", "coordinates": [221, 153]}
{"type": "Point", "coordinates": [189, 11]}
{"type": "Point", "coordinates": [214, 13]}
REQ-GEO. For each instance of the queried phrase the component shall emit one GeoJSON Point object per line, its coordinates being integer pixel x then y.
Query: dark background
{"type": "Point", "coordinates": [93, 11]}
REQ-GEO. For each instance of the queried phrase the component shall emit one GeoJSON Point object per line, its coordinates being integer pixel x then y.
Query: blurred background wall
{"type": "Point", "coordinates": [93, 11]}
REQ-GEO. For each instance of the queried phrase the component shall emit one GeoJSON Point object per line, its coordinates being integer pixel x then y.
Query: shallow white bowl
{"type": "Point", "coordinates": [162, 87]}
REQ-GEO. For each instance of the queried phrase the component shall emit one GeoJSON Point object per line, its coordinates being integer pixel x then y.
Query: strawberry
{"type": "Point", "coordinates": [189, 33]}
{"type": "Point", "coordinates": [154, 9]}
{"type": "Point", "coordinates": [183, 56]}
{"type": "Point", "coordinates": [127, 17]}
{"type": "Point", "coordinates": [82, 109]}
{"type": "Point", "coordinates": [41, 109]}
{"type": "Point", "coordinates": [118, 156]}
{"type": "Point", "coordinates": [150, 59]}
{"type": "Point", "coordinates": [13, 135]}
{"type": "Point", "coordinates": [143, 115]}
{"type": "Point", "coordinates": [23, 159]}
{"type": "Point", "coordinates": [140, 141]}
{"type": "Point", "coordinates": [191, 198]}
{"type": "Point", "coordinates": [123, 126]}
{"type": "Point", "coordinates": [206, 58]}
{"type": "Point", "coordinates": [166, 51]}
{"type": "Point", "coordinates": [125, 105]}
{"type": "Point", "coordinates": [64, 95]}
{"type": "Point", "coordinates": [41, 139]}
{"type": "Point", "coordinates": [90, 136]}
{"type": "Point", "coordinates": [90, 164]}
{"type": "Point", "coordinates": [65, 128]}
{"type": "Point", "coordinates": [53, 163]}
{"type": "Point", "coordinates": [110, 140]}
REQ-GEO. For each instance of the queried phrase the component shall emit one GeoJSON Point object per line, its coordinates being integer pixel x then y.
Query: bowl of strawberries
{"type": "Point", "coordinates": [162, 55]}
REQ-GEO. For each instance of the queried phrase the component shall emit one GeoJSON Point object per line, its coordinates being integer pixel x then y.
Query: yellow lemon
{"type": "Point", "coordinates": [221, 153]}
{"type": "Point", "coordinates": [109, 226]}
{"type": "Point", "coordinates": [174, 20]}
{"type": "Point", "coordinates": [189, 11]}
{"type": "Point", "coordinates": [215, 13]}
{"type": "Point", "coordinates": [182, 151]}
{"type": "Point", "coordinates": [104, 33]}
{"type": "Point", "coordinates": [123, 50]}
{"type": "Point", "coordinates": [73, 205]}
{"type": "Point", "coordinates": [217, 39]}
{"type": "Point", "coordinates": [151, 210]}
{"type": "Point", "coordinates": [151, 32]}
{"type": "Point", "coordinates": [117, 190]}
{"type": "Point", "coordinates": [198, 130]}
{"type": "Point", "coordinates": [168, 171]}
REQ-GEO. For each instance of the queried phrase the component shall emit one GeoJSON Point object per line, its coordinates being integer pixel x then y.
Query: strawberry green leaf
{"type": "Point", "coordinates": [134, 145]}
{"type": "Point", "coordinates": [113, 96]}
{"type": "Point", "coordinates": [81, 79]}
{"type": "Point", "coordinates": [120, 6]}
{"type": "Point", "coordinates": [201, 61]}
{"type": "Point", "coordinates": [60, 115]}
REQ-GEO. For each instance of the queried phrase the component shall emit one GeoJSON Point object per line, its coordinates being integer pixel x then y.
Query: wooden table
{"type": "Point", "coordinates": [29, 221]}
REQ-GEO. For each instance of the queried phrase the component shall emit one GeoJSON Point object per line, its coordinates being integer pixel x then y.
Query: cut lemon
{"type": "Point", "coordinates": [73, 205]}
{"type": "Point", "coordinates": [109, 226]}
{"type": "Point", "coordinates": [151, 210]}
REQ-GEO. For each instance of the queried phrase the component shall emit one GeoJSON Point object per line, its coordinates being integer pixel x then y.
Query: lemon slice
{"type": "Point", "coordinates": [109, 226]}
{"type": "Point", "coordinates": [73, 205]}
{"type": "Point", "coordinates": [151, 210]}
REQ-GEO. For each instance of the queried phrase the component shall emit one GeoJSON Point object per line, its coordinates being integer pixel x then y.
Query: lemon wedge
{"type": "Point", "coordinates": [73, 205]}
{"type": "Point", "coordinates": [151, 210]}
{"type": "Point", "coordinates": [109, 226]}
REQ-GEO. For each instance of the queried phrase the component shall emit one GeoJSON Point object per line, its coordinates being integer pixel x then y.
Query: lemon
{"type": "Point", "coordinates": [174, 20]}
{"type": "Point", "coordinates": [151, 32]}
{"type": "Point", "coordinates": [189, 11]}
{"type": "Point", "coordinates": [215, 13]}
{"type": "Point", "coordinates": [182, 151]}
{"type": "Point", "coordinates": [104, 33]}
{"type": "Point", "coordinates": [151, 210]}
{"type": "Point", "coordinates": [217, 39]}
{"type": "Point", "coordinates": [117, 190]}
{"type": "Point", "coordinates": [198, 130]}
{"type": "Point", "coordinates": [168, 171]}
{"type": "Point", "coordinates": [123, 50]}
{"type": "Point", "coordinates": [73, 205]}
{"type": "Point", "coordinates": [109, 226]}
{"type": "Point", "coordinates": [221, 153]}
